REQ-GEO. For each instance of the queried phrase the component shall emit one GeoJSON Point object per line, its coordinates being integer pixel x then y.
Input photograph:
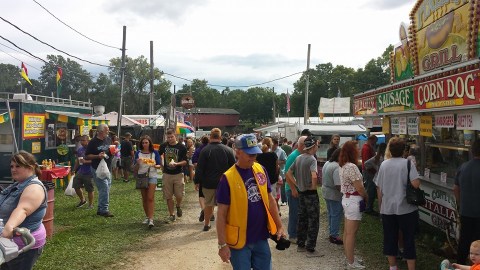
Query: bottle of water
{"type": "Point", "coordinates": [1, 226]}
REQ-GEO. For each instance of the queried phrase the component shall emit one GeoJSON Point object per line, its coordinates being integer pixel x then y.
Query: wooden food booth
{"type": "Point", "coordinates": [433, 99]}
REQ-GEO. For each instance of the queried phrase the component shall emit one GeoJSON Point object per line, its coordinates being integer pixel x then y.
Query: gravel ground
{"type": "Point", "coordinates": [183, 245]}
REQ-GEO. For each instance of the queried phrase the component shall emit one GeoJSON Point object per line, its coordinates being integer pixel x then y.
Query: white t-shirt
{"type": "Point", "coordinates": [143, 168]}
{"type": "Point", "coordinates": [392, 182]}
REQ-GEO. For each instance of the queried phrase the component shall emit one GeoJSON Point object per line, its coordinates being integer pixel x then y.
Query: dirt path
{"type": "Point", "coordinates": [183, 245]}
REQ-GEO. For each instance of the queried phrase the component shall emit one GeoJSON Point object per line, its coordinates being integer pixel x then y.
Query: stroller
{"type": "Point", "coordinates": [9, 250]}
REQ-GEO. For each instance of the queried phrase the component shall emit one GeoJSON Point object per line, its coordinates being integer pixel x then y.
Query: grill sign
{"type": "Point", "coordinates": [188, 102]}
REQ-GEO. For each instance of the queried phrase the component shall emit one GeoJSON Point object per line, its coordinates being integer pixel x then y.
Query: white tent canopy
{"type": "Point", "coordinates": [113, 117]}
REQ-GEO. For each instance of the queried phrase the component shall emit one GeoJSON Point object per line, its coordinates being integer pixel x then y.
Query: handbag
{"type": "Point", "coordinates": [415, 196]}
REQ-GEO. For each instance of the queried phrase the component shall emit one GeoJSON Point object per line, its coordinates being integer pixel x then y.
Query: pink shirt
{"type": "Point", "coordinates": [40, 236]}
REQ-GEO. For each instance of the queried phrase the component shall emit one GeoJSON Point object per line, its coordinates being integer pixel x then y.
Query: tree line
{"type": "Point", "coordinates": [255, 104]}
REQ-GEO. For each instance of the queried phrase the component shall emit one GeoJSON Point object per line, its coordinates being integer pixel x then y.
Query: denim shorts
{"type": "Point", "coordinates": [153, 180]}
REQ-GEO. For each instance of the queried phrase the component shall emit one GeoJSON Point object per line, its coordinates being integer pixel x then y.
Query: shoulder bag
{"type": "Point", "coordinates": [415, 196]}
{"type": "Point", "coordinates": [141, 181]}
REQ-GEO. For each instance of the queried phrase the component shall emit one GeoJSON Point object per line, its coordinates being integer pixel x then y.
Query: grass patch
{"type": "Point", "coordinates": [369, 242]}
{"type": "Point", "coordinates": [83, 240]}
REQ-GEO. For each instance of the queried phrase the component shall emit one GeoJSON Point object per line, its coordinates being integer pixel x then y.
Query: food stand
{"type": "Point", "coordinates": [43, 126]}
{"type": "Point", "coordinates": [433, 99]}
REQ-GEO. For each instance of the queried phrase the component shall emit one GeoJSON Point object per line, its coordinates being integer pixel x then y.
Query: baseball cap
{"type": "Point", "coordinates": [310, 142]}
{"type": "Point", "coordinates": [248, 143]}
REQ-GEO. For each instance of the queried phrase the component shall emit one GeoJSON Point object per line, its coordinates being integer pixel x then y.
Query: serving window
{"type": "Point", "coordinates": [58, 133]}
{"type": "Point", "coordinates": [447, 150]}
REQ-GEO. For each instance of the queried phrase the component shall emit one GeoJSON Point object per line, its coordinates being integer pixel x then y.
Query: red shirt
{"type": "Point", "coordinates": [367, 153]}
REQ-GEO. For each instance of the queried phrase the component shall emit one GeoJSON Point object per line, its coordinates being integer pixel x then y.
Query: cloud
{"type": "Point", "coordinates": [170, 10]}
{"type": "Point", "coordinates": [256, 61]}
{"type": "Point", "coordinates": [388, 4]}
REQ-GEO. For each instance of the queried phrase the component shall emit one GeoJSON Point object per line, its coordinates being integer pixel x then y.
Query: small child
{"type": "Point", "coordinates": [474, 257]}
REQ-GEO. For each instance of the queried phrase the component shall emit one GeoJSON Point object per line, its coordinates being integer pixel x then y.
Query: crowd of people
{"type": "Point", "coordinates": [248, 179]}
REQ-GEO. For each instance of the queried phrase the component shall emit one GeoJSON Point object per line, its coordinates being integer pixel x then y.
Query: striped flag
{"type": "Point", "coordinates": [59, 82]}
{"type": "Point", "coordinates": [24, 73]}
{"type": "Point", "coordinates": [288, 102]}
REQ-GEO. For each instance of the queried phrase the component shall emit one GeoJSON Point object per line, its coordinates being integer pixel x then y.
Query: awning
{"type": "Point", "coordinates": [74, 118]}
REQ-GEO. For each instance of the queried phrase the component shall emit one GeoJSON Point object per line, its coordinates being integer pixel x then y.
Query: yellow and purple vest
{"type": "Point", "coordinates": [236, 227]}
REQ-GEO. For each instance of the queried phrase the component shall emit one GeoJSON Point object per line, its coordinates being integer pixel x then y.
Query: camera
{"type": "Point", "coordinates": [282, 244]}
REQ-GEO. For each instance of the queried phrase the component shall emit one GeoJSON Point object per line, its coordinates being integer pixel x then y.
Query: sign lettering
{"type": "Point", "coordinates": [452, 91]}
{"type": "Point", "coordinates": [396, 100]}
{"type": "Point", "coordinates": [444, 121]}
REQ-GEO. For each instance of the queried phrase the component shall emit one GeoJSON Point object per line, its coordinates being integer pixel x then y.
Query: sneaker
{"type": "Point", "coordinates": [293, 240]}
{"type": "Point", "coordinates": [335, 240]}
{"type": "Point", "coordinates": [80, 204]}
{"type": "Point", "coordinates": [105, 214]}
{"type": "Point", "coordinates": [179, 212]}
{"type": "Point", "coordinates": [314, 253]}
{"type": "Point", "coordinates": [90, 207]}
{"type": "Point", "coordinates": [212, 218]}
{"type": "Point", "coordinates": [446, 265]}
{"type": "Point", "coordinates": [202, 216]}
{"type": "Point", "coordinates": [126, 180]}
{"type": "Point", "coordinates": [150, 223]}
{"type": "Point", "coordinates": [301, 249]}
{"type": "Point", "coordinates": [207, 228]}
{"type": "Point", "coordinates": [145, 221]}
{"type": "Point", "coordinates": [172, 218]}
{"type": "Point", "coordinates": [355, 265]}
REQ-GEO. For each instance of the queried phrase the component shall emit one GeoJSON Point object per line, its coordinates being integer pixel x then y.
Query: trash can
{"type": "Point", "coordinates": [48, 218]}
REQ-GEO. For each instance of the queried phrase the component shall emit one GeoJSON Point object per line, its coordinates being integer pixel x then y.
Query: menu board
{"type": "Point", "coordinates": [412, 125]}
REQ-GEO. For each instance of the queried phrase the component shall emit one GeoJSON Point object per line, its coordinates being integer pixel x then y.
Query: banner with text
{"type": "Point", "coordinates": [33, 126]}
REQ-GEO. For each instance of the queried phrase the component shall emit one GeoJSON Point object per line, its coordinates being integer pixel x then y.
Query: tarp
{"type": "Point", "coordinates": [74, 118]}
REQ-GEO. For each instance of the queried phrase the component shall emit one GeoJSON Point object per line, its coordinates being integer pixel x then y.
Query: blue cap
{"type": "Point", "coordinates": [248, 144]}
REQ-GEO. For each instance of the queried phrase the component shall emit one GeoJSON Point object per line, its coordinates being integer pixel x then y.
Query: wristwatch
{"type": "Point", "coordinates": [220, 246]}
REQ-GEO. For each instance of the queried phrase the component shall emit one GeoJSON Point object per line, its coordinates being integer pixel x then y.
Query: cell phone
{"type": "Point", "coordinates": [362, 205]}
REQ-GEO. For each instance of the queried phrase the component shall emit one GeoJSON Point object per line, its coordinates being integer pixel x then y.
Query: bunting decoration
{"type": "Point", "coordinates": [288, 102]}
{"type": "Point", "coordinates": [59, 82]}
{"type": "Point", "coordinates": [24, 73]}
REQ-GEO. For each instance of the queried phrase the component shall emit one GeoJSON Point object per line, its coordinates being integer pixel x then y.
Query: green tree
{"type": "Point", "coordinates": [137, 83]}
{"type": "Point", "coordinates": [76, 81]}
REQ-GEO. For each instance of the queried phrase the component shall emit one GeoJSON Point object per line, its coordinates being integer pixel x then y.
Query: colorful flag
{"type": "Point", "coordinates": [59, 83]}
{"type": "Point", "coordinates": [288, 102]}
{"type": "Point", "coordinates": [4, 117]}
{"type": "Point", "coordinates": [24, 74]}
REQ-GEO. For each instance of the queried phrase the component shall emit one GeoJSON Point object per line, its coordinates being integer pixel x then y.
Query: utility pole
{"type": "Point", "coordinates": [274, 109]}
{"type": "Point", "coordinates": [122, 80]}
{"type": "Point", "coordinates": [305, 112]}
{"type": "Point", "coordinates": [151, 106]}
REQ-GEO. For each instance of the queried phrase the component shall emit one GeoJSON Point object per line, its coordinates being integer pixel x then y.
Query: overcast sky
{"type": "Point", "coordinates": [226, 42]}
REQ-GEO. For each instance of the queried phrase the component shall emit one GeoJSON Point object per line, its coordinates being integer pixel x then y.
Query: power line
{"type": "Point", "coordinates": [74, 29]}
{"type": "Point", "coordinates": [78, 58]}
{"type": "Point", "coordinates": [233, 86]}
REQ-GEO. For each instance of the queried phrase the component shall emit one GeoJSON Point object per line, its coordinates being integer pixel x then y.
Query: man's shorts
{"type": "Point", "coordinates": [173, 184]}
{"type": "Point", "coordinates": [351, 207]}
{"type": "Point", "coordinates": [83, 180]}
{"type": "Point", "coordinates": [210, 196]}
{"type": "Point", "coordinates": [127, 163]}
